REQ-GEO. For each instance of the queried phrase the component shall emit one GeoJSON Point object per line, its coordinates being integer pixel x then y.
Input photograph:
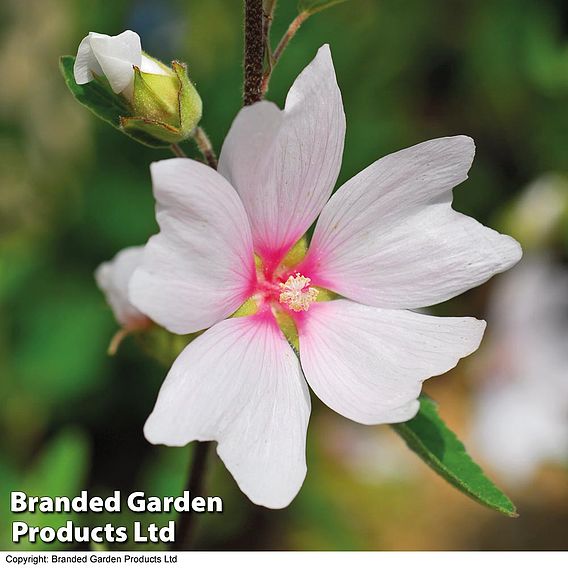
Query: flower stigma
{"type": "Point", "coordinates": [297, 293]}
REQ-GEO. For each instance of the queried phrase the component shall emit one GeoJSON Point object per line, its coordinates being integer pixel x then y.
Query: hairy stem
{"type": "Point", "coordinates": [195, 485]}
{"type": "Point", "coordinates": [205, 147]}
{"type": "Point", "coordinates": [254, 51]}
{"type": "Point", "coordinates": [282, 44]}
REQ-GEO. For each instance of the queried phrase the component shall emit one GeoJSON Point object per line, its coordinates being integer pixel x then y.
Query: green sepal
{"type": "Point", "coordinates": [248, 308]}
{"type": "Point", "coordinates": [101, 101]}
{"type": "Point", "coordinates": [165, 106]}
{"type": "Point", "coordinates": [147, 129]}
{"type": "Point", "coordinates": [155, 97]}
{"type": "Point", "coordinates": [288, 327]}
{"type": "Point", "coordinates": [325, 295]}
{"type": "Point", "coordinates": [189, 102]}
{"type": "Point", "coordinates": [429, 437]}
{"type": "Point", "coordinates": [297, 253]}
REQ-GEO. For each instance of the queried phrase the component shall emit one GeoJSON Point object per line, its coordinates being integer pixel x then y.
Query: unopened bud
{"type": "Point", "coordinates": [163, 105]}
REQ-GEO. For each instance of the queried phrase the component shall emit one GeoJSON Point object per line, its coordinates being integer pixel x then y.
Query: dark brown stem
{"type": "Point", "coordinates": [290, 33]}
{"type": "Point", "coordinates": [205, 147]}
{"type": "Point", "coordinates": [195, 486]}
{"type": "Point", "coordinates": [254, 51]}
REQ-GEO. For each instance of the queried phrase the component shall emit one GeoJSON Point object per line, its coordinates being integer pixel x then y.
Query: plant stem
{"type": "Point", "coordinates": [290, 33]}
{"type": "Point", "coordinates": [176, 149]}
{"type": "Point", "coordinates": [195, 486]}
{"type": "Point", "coordinates": [254, 51]}
{"type": "Point", "coordinates": [205, 147]}
{"type": "Point", "coordinates": [269, 7]}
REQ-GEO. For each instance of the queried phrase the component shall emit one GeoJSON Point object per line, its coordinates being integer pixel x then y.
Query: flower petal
{"type": "Point", "coordinates": [113, 278]}
{"type": "Point", "coordinates": [284, 164]}
{"type": "Point", "coordinates": [368, 364]}
{"type": "Point", "coordinates": [200, 268]}
{"type": "Point", "coordinates": [85, 63]}
{"type": "Point", "coordinates": [116, 56]}
{"type": "Point", "coordinates": [151, 65]}
{"type": "Point", "coordinates": [241, 384]}
{"type": "Point", "coordinates": [389, 237]}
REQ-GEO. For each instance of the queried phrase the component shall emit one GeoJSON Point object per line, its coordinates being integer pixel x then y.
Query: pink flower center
{"type": "Point", "coordinates": [289, 290]}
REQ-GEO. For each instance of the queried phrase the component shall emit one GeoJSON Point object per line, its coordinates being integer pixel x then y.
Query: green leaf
{"type": "Point", "coordinates": [429, 437]}
{"type": "Point", "coordinates": [61, 469]}
{"type": "Point", "coordinates": [313, 6]}
{"type": "Point", "coordinates": [102, 102]}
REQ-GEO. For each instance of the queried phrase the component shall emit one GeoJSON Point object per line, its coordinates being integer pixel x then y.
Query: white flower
{"type": "Point", "coordinates": [521, 412]}
{"type": "Point", "coordinates": [388, 241]}
{"type": "Point", "coordinates": [113, 278]}
{"type": "Point", "coordinates": [114, 57]}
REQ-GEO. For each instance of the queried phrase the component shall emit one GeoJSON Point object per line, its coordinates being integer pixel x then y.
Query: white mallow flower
{"type": "Point", "coordinates": [520, 419]}
{"type": "Point", "coordinates": [112, 278]}
{"type": "Point", "coordinates": [387, 242]}
{"type": "Point", "coordinates": [114, 57]}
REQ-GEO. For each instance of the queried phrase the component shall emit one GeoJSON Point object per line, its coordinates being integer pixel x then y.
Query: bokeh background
{"type": "Point", "coordinates": [74, 191]}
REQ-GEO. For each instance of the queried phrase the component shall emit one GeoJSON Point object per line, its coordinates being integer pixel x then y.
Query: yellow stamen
{"type": "Point", "coordinates": [296, 293]}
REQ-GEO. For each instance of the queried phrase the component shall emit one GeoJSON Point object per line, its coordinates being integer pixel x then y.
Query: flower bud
{"type": "Point", "coordinates": [163, 106]}
{"type": "Point", "coordinates": [112, 278]}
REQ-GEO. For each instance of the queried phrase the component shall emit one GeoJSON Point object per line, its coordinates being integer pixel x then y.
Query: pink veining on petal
{"type": "Point", "coordinates": [284, 163]}
{"type": "Point", "coordinates": [266, 317]}
{"type": "Point", "coordinates": [283, 289]}
{"type": "Point", "coordinates": [311, 265]}
{"type": "Point", "coordinates": [390, 238]}
{"type": "Point", "coordinates": [243, 387]}
{"type": "Point", "coordinates": [200, 267]}
{"type": "Point", "coordinates": [368, 364]}
{"type": "Point", "coordinates": [271, 257]}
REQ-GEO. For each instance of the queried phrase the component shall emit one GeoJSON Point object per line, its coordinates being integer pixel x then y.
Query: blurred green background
{"type": "Point", "coordinates": [74, 191]}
